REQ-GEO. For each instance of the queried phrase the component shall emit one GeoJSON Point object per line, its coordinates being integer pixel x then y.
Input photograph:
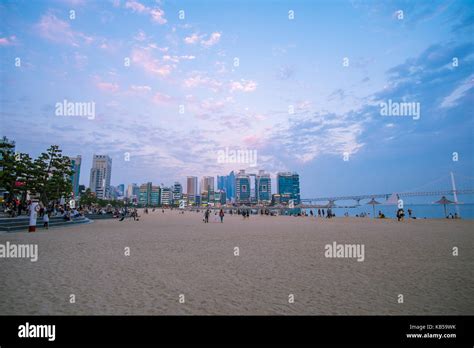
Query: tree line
{"type": "Point", "coordinates": [47, 177]}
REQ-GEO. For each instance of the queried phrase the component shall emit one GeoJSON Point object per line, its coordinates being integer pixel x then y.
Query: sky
{"type": "Point", "coordinates": [300, 82]}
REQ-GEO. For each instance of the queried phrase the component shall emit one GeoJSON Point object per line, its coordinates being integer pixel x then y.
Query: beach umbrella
{"type": "Point", "coordinates": [444, 201]}
{"type": "Point", "coordinates": [373, 202]}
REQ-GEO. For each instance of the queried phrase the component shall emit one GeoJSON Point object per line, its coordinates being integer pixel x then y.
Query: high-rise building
{"type": "Point", "coordinates": [100, 176]}
{"type": "Point", "coordinates": [227, 183]}
{"type": "Point", "coordinates": [82, 189]}
{"type": "Point", "coordinates": [192, 188]}
{"type": "Point", "coordinates": [76, 168]}
{"type": "Point", "coordinates": [230, 186]}
{"type": "Point", "coordinates": [253, 188]}
{"type": "Point", "coordinates": [220, 197]}
{"type": "Point", "coordinates": [121, 190]}
{"type": "Point", "coordinates": [133, 193]}
{"type": "Point", "coordinates": [166, 196]}
{"type": "Point", "coordinates": [207, 184]}
{"type": "Point", "coordinates": [155, 196]}
{"type": "Point", "coordinates": [264, 187]}
{"type": "Point", "coordinates": [242, 187]}
{"type": "Point", "coordinates": [145, 194]}
{"type": "Point", "coordinates": [221, 182]}
{"type": "Point", "coordinates": [177, 192]}
{"type": "Point", "coordinates": [288, 187]}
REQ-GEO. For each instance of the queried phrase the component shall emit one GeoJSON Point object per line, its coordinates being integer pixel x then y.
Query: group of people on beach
{"type": "Point", "coordinates": [207, 213]}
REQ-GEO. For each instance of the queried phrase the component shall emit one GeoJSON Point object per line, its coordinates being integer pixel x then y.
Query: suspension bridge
{"type": "Point", "coordinates": [394, 196]}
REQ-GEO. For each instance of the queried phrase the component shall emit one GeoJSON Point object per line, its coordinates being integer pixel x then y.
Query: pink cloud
{"type": "Point", "coordinates": [213, 39]}
{"type": "Point", "coordinates": [152, 65]}
{"type": "Point", "coordinates": [161, 98]}
{"type": "Point", "coordinates": [135, 6]}
{"type": "Point", "coordinates": [140, 88]}
{"type": "Point", "coordinates": [157, 15]}
{"type": "Point", "coordinates": [7, 41]}
{"type": "Point", "coordinates": [194, 38]}
{"type": "Point", "coordinates": [198, 80]}
{"type": "Point", "coordinates": [107, 86]}
{"type": "Point", "coordinates": [243, 86]}
{"type": "Point", "coordinates": [253, 141]}
{"type": "Point", "coordinates": [53, 29]}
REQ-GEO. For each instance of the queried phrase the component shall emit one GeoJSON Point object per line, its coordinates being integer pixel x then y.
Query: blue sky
{"type": "Point", "coordinates": [282, 63]}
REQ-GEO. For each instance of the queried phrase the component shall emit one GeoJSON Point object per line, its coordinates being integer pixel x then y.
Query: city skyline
{"type": "Point", "coordinates": [293, 91]}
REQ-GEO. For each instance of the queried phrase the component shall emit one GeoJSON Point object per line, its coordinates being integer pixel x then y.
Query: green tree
{"type": "Point", "coordinates": [88, 198]}
{"type": "Point", "coordinates": [8, 169]}
{"type": "Point", "coordinates": [53, 175]}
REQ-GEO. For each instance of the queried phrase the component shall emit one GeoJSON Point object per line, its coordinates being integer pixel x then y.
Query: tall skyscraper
{"type": "Point", "coordinates": [121, 190]}
{"type": "Point", "coordinates": [129, 192]}
{"type": "Point", "coordinates": [192, 186]}
{"type": "Point", "coordinates": [76, 168]}
{"type": "Point", "coordinates": [166, 196]}
{"type": "Point", "coordinates": [230, 186]}
{"type": "Point", "coordinates": [177, 192]}
{"type": "Point", "coordinates": [253, 188]}
{"type": "Point", "coordinates": [145, 194]}
{"type": "Point", "coordinates": [101, 172]}
{"type": "Point", "coordinates": [155, 196]}
{"type": "Point", "coordinates": [227, 183]}
{"type": "Point", "coordinates": [207, 184]}
{"type": "Point", "coordinates": [264, 187]}
{"type": "Point", "coordinates": [288, 185]}
{"type": "Point", "coordinates": [242, 187]}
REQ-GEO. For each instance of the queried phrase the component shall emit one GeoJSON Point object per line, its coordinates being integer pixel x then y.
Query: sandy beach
{"type": "Point", "coordinates": [173, 254]}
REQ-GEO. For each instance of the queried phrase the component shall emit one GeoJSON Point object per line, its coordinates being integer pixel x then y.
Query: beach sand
{"type": "Point", "coordinates": [173, 254]}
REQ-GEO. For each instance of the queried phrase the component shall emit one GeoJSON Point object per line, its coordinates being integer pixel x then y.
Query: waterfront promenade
{"type": "Point", "coordinates": [174, 254]}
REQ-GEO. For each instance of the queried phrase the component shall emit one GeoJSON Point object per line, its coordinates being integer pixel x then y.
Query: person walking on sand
{"type": "Point", "coordinates": [221, 215]}
{"type": "Point", "coordinates": [206, 216]}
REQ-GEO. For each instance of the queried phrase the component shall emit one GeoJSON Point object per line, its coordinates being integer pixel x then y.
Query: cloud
{"type": "Point", "coordinates": [58, 31]}
{"type": "Point", "coordinates": [306, 138]}
{"type": "Point", "coordinates": [213, 39]}
{"type": "Point", "coordinates": [7, 41]}
{"type": "Point", "coordinates": [455, 96]}
{"type": "Point", "coordinates": [141, 36]}
{"type": "Point", "coordinates": [243, 86]}
{"type": "Point", "coordinates": [195, 38]}
{"type": "Point", "coordinates": [161, 98]}
{"type": "Point", "coordinates": [136, 6]}
{"type": "Point", "coordinates": [144, 59]}
{"type": "Point", "coordinates": [140, 88]}
{"type": "Point", "coordinates": [157, 15]}
{"type": "Point", "coordinates": [107, 86]}
{"type": "Point", "coordinates": [177, 59]}
{"type": "Point", "coordinates": [199, 80]}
